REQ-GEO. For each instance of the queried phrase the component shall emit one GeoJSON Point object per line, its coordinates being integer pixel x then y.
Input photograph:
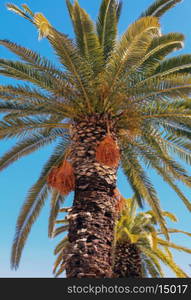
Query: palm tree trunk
{"type": "Point", "coordinates": [92, 219]}
{"type": "Point", "coordinates": [127, 261]}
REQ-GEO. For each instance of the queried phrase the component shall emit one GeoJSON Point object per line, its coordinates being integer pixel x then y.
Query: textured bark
{"type": "Point", "coordinates": [127, 260]}
{"type": "Point", "coordinates": [92, 219]}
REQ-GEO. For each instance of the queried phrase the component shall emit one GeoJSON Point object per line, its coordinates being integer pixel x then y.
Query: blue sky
{"type": "Point", "coordinates": [38, 258]}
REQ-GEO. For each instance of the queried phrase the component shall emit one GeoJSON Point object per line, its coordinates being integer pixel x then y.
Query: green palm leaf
{"type": "Point", "coordinates": [57, 262]}
{"type": "Point", "coordinates": [35, 60]}
{"type": "Point", "coordinates": [170, 263]}
{"type": "Point", "coordinates": [159, 48]}
{"type": "Point", "coordinates": [174, 246]}
{"type": "Point", "coordinates": [25, 147]}
{"type": "Point", "coordinates": [56, 201]}
{"type": "Point", "coordinates": [164, 174]}
{"type": "Point", "coordinates": [152, 264]}
{"type": "Point", "coordinates": [144, 232]}
{"type": "Point", "coordinates": [61, 246]}
{"type": "Point", "coordinates": [60, 230]}
{"type": "Point", "coordinates": [29, 213]}
{"type": "Point", "coordinates": [181, 63]}
{"type": "Point", "coordinates": [34, 203]}
{"type": "Point", "coordinates": [159, 7]}
{"type": "Point", "coordinates": [133, 45]}
{"type": "Point", "coordinates": [107, 24]}
{"type": "Point", "coordinates": [68, 54]}
{"type": "Point", "coordinates": [179, 231]}
{"type": "Point", "coordinates": [86, 37]}
{"type": "Point", "coordinates": [20, 127]}
{"type": "Point", "coordinates": [25, 72]}
{"type": "Point", "coordinates": [141, 183]}
{"type": "Point", "coordinates": [24, 94]}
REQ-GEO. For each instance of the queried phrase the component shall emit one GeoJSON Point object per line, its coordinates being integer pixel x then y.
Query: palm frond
{"type": "Point", "coordinates": [67, 53]}
{"type": "Point", "coordinates": [20, 127]}
{"type": "Point", "coordinates": [33, 204]}
{"type": "Point", "coordinates": [133, 45]}
{"type": "Point", "coordinates": [133, 206]}
{"type": "Point", "coordinates": [57, 156]}
{"type": "Point", "coordinates": [141, 184]}
{"type": "Point", "coordinates": [169, 165]}
{"type": "Point", "coordinates": [35, 59]}
{"type": "Point", "coordinates": [159, 48]}
{"type": "Point", "coordinates": [173, 245]}
{"type": "Point", "coordinates": [16, 108]}
{"type": "Point", "coordinates": [151, 262]}
{"type": "Point", "coordinates": [27, 10]}
{"type": "Point", "coordinates": [176, 140]}
{"type": "Point", "coordinates": [14, 8]}
{"type": "Point", "coordinates": [56, 201]}
{"type": "Point", "coordinates": [170, 215]}
{"type": "Point", "coordinates": [171, 264]}
{"type": "Point", "coordinates": [107, 25]}
{"type": "Point", "coordinates": [86, 37]}
{"type": "Point", "coordinates": [74, 63]}
{"type": "Point", "coordinates": [180, 64]}
{"type": "Point", "coordinates": [26, 146]}
{"type": "Point", "coordinates": [173, 230]}
{"type": "Point", "coordinates": [156, 164]}
{"type": "Point", "coordinates": [168, 179]}
{"type": "Point", "coordinates": [176, 86]}
{"type": "Point", "coordinates": [176, 170]}
{"type": "Point", "coordinates": [61, 245]}
{"type": "Point", "coordinates": [58, 261]}
{"type": "Point", "coordinates": [25, 72]}
{"type": "Point", "coordinates": [159, 7]}
{"type": "Point", "coordinates": [22, 93]}
{"type": "Point", "coordinates": [60, 229]}
{"type": "Point", "coordinates": [28, 215]}
{"type": "Point", "coordinates": [61, 270]}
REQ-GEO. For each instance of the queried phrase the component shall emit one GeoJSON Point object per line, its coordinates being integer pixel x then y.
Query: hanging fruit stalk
{"type": "Point", "coordinates": [62, 178]}
{"type": "Point", "coordinates": [107, 151]}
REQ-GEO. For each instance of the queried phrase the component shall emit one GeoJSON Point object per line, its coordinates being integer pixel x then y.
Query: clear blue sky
{"type": "Point", "coordinates": [38, 258]}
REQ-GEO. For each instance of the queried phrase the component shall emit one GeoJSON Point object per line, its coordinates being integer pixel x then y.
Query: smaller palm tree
{"type": "Point", "coordinates": [138, 251]}
{"type": "Point", "coordinates": [139, 248]}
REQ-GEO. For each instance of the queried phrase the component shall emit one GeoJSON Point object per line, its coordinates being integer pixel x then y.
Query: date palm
{"type": "Point", "coordinates": [138, 249]}
{"type": "Point", "coordinates": [112, 101]}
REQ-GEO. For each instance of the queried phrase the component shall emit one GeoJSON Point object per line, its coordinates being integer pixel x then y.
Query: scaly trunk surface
{"type": "Point", "coordinates": [127, 260]}
{"type": "Point", "coordinates": [92, 219]}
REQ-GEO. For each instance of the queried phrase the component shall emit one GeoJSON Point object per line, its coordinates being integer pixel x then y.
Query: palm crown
{"type": "Point", "coordinates": [130, 80]}
{"type": "Point", "coordinates": [140, 229]}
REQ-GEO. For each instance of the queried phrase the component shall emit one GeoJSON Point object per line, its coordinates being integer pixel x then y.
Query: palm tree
{"type": "Point", "coordinates": [112, 101]}
{"type": "Point", "coordinates": [138, 250]}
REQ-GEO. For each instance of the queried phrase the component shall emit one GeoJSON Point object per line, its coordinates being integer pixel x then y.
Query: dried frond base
{"type": "Point", "coordinates": [62, 178]}
{"type": "Point", "coordinates": [107, 152]}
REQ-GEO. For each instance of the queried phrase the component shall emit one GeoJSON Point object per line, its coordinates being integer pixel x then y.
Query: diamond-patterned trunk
{"type": "Point", "coordinates": [127, 260]}
{"type": "Point", "coordinates": [92, 219]}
